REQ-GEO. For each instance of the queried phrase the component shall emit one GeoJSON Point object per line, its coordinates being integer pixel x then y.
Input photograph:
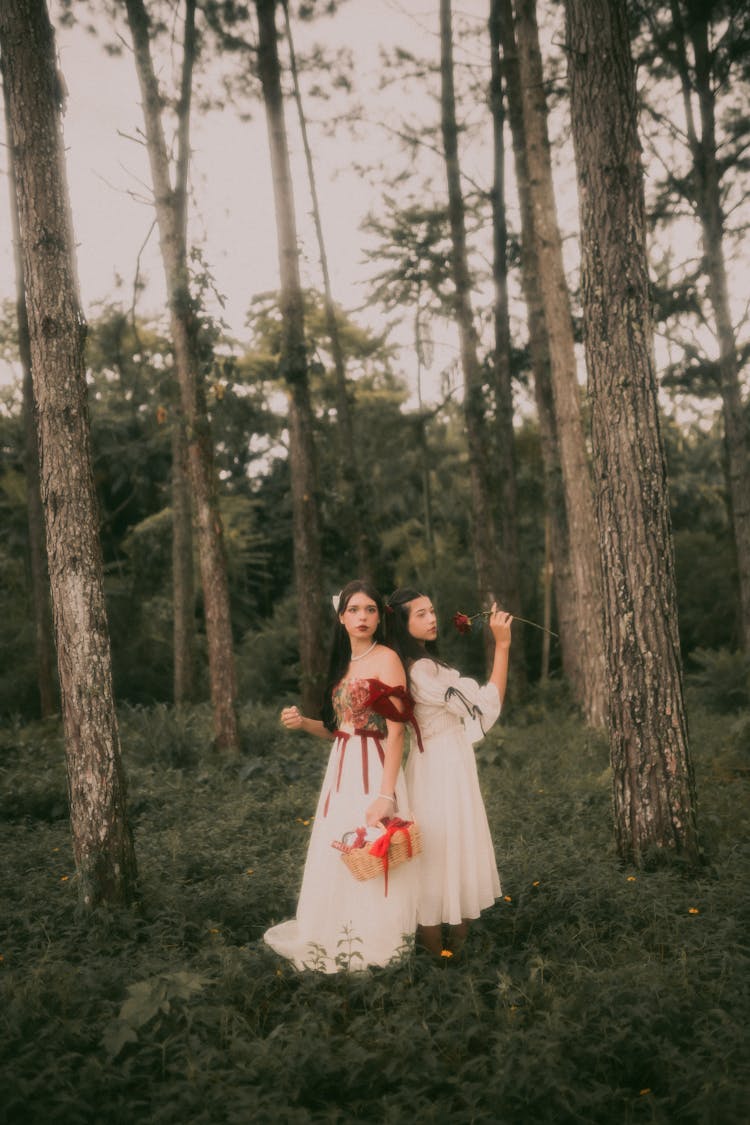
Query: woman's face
{"type": "Point", "coordinates": [422, 620]}
{"type": "Point", "coordinates": [360, 617]}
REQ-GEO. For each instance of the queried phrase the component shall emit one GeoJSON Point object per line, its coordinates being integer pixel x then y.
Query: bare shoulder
{"type": "Point", "coordinates": [389, 668]}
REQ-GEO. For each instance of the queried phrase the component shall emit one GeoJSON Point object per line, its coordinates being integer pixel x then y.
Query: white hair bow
{"type": "Point", "coordinates": [335, 600]}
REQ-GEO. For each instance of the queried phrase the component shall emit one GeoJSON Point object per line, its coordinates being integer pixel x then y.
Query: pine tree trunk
{"type": "Point", "coordinates": [44, 656]}
{"type": "Point", "coordinates": [539, 349]}
{"type": "Point", "coordinates": [305, 502]}
{"type": "Point", "coordinates": [183, 585]}
{"type": "Point", "coordinates": [510, 590]}
{"type": "Point", "coordinates": [350, 478]}
{"type": "Point", "coordinates": [484, 535]}
{"type": "Point", "coordinates": [102, 842]}
{"type": "Point", "coordinates": [703, 147]}
{"type": "Point", "coordinates": [653, 787]}
{"type": "Point", "coordinates": [579, 500]}
{"type": "Point", "coordinates": [170, 216]}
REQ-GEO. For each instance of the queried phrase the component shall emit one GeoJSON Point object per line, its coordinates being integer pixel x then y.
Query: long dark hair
{"type": "Point", "coordinates": [341, 646]}
{"type": "Point", "coordinates": [397, 635]}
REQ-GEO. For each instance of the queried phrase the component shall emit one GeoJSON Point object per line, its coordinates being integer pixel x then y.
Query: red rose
{"type": "Point", "coordinates": [462, 622]}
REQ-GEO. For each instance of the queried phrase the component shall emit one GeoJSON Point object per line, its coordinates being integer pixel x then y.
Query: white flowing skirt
{"type": "Point", "coordinates": [342, 923]}
{"type": "Point", "coordinates": [458, 874]}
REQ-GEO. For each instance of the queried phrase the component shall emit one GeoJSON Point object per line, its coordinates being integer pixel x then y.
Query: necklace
{"type": "Point", "coordinates": [367, 651]}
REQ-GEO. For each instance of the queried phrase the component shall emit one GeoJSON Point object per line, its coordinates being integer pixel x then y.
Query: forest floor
{"type": "Point", "coordinates": [590, 993]}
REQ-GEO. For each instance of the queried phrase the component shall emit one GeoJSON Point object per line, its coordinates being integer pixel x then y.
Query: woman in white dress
{"type": "Point", "coordinates": [342, 923]}
{"type": "Point", "coordinates": [458, 873]}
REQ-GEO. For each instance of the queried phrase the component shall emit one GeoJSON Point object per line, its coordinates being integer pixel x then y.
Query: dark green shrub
{"type": "Point", "coordinates": [722, 678]}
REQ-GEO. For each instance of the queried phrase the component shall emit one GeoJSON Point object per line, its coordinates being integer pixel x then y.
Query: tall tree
{"type": "Point", "coordinates": [185, 327]}
{"type": "Point", "coordinates": [539, 350]}
{"type": "Point", "coordinates": [294, 368]}
{"type": "Point", "coordinates": [102, 841]}
{"type": "Point", "coordinates": [579, 499]}
{"type": "Point", "coordinates": [183, 584]}
{"type": "Point", "coordinates": [43, 644]}
{"type": "Point", "coordinates": [653, 785]}
{"type": "Point", "coordinates": [484, 534]}
{"type": "Point", "coordinates": [705, 43]}
{"type": "Point", "coordinates": [501, 352]}
{"type": "Point", "coordinates": [350, 475]}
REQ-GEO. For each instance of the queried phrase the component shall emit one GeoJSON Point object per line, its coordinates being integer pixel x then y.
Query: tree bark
{"type": "Point", "coordinates": [484, 533]}
{"type": "Point", "coordinates": [539, 349]}
{"type": "Point", "coordinates": [294, 370]}
{"type": "Point", "coordinates": [185, 327]}
{"type": "Point", "coordinates": [102, 841]}
{"type": "Point", "coordinates": [653, 786]}
{"type": "Point", "coordinates": [579, 500]}
{"type": "Point", "coordinates": [703, 148]}
{"type": "Point", "coordinates": [40, 608]}
{"type": "Point", "coordinates": [351, 482]}
{"type": "Point", "coordinates": [510, 591]}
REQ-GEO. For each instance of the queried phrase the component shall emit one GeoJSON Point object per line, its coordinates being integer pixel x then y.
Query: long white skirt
{"type": "Point", "coordinates": [342, 923]}
{"type": "Point", "coordinates": [458, 876]}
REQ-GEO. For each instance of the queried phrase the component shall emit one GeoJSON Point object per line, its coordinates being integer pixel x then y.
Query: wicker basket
{"type": "Point", "coordinates": [406, 842]}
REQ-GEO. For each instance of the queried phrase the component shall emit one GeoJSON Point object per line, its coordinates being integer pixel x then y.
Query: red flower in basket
{"type": "Point", "coordinates": [462, 622]}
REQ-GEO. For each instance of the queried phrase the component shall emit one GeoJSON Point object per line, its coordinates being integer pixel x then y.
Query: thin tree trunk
{"type": "Point", "coordinates": [102, 841]}
{"type": "Point", "coordinates": [183, 584]}
{"type": "Point", "coordinates": [350, 476]}
{"type": "Point", "coordinates": [510, 591]}
{"type": "Point", "coordinates": [424, 450]}
{"type": "Point", "coordinates": [43, 645]}
{"type": "Point", "coordinates": [579, 500]}
{"type": "Point", "coordinates": [484, 536]}
{"type": "Point", "coordinates": [653, 786]}
{"type": "Point", "coordinates": [539, 348]}
{"type": "Point", "coordinates": [703, 147]}
{"type": "Point", "coordinates": [548, 572]}
{"type": "Point", "coordinates": [305, 505]}
{"type": "Point", "coordinates": [185, 326]}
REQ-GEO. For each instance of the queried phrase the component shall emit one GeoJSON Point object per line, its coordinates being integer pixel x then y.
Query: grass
{"type": "Point", "coordinates": [590, 993]}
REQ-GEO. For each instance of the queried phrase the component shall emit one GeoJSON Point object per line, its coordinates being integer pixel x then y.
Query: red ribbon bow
{"type": "Point", "coordinates": [380, 700]}
{"type": "Point", "coordinates": [382, 845]}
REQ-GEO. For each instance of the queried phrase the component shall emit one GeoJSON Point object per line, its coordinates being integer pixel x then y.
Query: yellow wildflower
{"type": "Point", "coordinates": [631, 878]}
{"type": "Point", "coordinates": [445, 953]}
{"type": "Point", "coordinates": [507, 898]}
{"type": "Point", "coordinates": [693, 910]}
{"type": "Point", "coordinates": [249, 871]}
{"type": "Point", "coordinates": [64, 878]}
{"type": "Point", "coordinates": [645, 1090]}
{"type": "Point", "coordinates": [535, 883]}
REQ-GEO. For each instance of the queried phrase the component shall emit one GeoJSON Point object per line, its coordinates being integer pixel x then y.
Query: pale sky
{"type": "Point", "coordinates": [233, 216]}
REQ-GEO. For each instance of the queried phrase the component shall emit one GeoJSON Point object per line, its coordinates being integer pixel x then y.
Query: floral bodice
{"type": "Point", "coordinates": [350, 704]}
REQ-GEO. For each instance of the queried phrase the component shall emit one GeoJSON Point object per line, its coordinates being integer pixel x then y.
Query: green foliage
{"type": "Point", "coordinates": [722, 678]}
{"type": "Point", "coordinates": [590, 993]}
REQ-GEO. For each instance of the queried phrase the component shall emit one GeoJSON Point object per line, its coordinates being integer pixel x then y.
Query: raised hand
{"type": "Point", "coordinates": [292, 718]}
{"type": "Point", "coordinates": [500, 623]}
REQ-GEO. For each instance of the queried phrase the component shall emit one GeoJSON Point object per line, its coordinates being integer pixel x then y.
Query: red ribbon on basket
{"type": "Point", "coordinates": [380, 848]}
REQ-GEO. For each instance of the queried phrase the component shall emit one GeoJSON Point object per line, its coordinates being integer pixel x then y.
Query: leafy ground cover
{"type": "Point", "coordinates": [590, 993]}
